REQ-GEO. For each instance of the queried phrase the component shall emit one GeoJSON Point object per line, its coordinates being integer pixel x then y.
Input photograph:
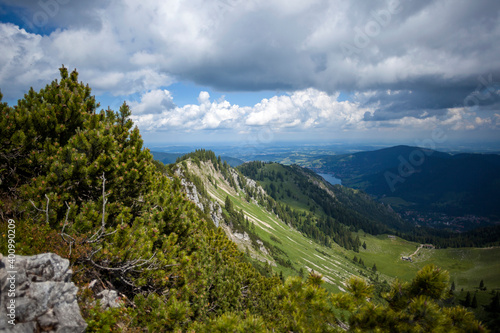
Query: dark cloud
{"type": "Point", "coordinates": [432, 51]}
{"type": "Point", "coordinates": [432, 96]}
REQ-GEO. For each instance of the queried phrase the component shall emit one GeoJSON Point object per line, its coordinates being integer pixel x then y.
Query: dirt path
{"type": "Point", "coordinates": [414, 253]}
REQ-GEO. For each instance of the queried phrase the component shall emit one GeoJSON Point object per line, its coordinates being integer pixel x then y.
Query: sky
{"type": "Point", "coordinates": [239, 71]}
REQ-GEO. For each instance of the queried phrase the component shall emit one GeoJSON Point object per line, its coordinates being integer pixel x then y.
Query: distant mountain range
{"type": "Point", "coordinates": [424, 179]}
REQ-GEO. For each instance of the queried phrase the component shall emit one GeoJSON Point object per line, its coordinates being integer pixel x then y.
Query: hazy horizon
{"type": "Point", "coordinates": [312, 148]}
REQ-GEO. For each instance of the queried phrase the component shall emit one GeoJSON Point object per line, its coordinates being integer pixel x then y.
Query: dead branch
{"type": "Point", "coordinates": [46, 210]}
{"type": "Point", "coordinates": [123, 268]}
{"type": "Point", "coordinates": [67, 238]}
{"type": "Point", "coordinates": [129, 265]}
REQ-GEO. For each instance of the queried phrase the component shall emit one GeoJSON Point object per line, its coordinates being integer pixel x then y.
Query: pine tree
{"type": "Point", "coordinates": [494, 305]}
{"type": "Point", "coordinates": [228, 205]}
{"type": "Point", "coordinates": [467, 301]}
{"type": "Point", "coordinates": [374, 268]}
{"type": "Point", "coordinates": [410, 306]}
{"type": "Point", "coordinates": [316, 311]}
{"type": "Point", "coordinates": [474, 302]}
{"type": "Point", "coordinates": [364, 245]}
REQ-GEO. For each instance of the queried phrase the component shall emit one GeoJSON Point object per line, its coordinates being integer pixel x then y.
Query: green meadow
{"type": "Point", "coordinates": [467, 266]}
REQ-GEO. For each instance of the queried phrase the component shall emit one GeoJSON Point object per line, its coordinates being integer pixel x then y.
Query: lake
{"type": "Point", "coordinates": [331, 178]}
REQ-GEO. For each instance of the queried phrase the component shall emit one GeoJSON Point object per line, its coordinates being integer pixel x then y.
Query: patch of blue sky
{"type": "Point", "coordinates": [37, 22]}
{"type": "Point", "coordinates": [184, 93]}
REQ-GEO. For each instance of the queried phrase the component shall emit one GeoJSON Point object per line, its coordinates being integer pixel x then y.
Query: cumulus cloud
{"type": "Point", "coordinates": [22, 61]}
{"type": "Point", "coordinates": [33, 60]}
{"type": "Point", "coordinates": [154, 101]}
{"type": "Point", "coordinates": [308, 108]}
{"type": "Point", "coordinates": [157, 112]}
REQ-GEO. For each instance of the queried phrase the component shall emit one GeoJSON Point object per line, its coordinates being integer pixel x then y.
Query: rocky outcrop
{"type": "Point", "coordinates": [192, 193]}
{"type": "Point", "coordinates": [215, 210]}
{"type": "Point", "coordinates": [37, 295]}
{"type": "Point", "coordinates": [262, 248]}
{"type": "Point", "coordinates": [216, 213]}
{"type": "Point", "coordinates": [109, 299]}
{"type": "Point", "coordinates": [244, 236]}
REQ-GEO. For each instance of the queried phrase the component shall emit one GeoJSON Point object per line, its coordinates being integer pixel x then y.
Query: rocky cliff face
{"type": "Point", "coordinates": [37, 295]}
{"type": "Point", "coordinates": [213, 179]}
{"type": "Point", "coordinates": [214, 208]}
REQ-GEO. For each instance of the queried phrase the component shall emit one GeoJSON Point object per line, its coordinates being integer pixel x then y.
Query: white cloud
{"type": "Point", "coordinates": [157, 112]}
{"type": "Point", "coordinates": [204, 97]}
{"type": "Point", "coordinates": [22, 61]}
{"type": "Point", "coordinates": [154, 101]}
{"type": "Point", "coordinates": [310, 112]}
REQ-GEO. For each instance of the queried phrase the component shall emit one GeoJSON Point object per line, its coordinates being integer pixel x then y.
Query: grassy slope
{"type": "Point", "coordinates": [466, 266]}
{"type": "Point", "coordinates": [299, 202]}
{"type": "Point", "coordinates": [336, 266]}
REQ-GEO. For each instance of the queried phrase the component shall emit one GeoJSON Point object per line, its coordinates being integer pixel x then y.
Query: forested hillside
{"type": "Point", "coordinates": [304, 191]}
{"type": "Point", "coordinates": [323, 212]}
{"type": "Point", "coordinates": [427, 180]}
{"type": "Point", "coordinates": [275, 246]}
{"type": "Point", "coordinates": [78, 182]}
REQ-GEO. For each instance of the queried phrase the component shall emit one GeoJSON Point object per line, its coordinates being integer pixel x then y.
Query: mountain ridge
{"type": "Point", "coordinates": [169, 158]}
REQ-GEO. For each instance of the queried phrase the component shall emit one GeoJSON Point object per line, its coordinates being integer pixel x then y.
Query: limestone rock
{"type": "Point", "coordinates": [244, 236]}
{"type": "Point", "coordinates": [262, 248]}
{"type": "Point", "coordinates": [109, 299]}
{"type": "Point", "coordinates": [43, 294]}
{"type": "Point", "coordinates": [192, 193]}
{"type": "Point", "coordinates": [216, 213]}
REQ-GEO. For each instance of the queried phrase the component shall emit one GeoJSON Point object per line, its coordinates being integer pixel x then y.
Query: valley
{"type": "Point", "coordinates": [445, 189]}
{"type": "Point", "coordinates": [276, 247]}
{"type": "Point", "coordinates": [283, 249]}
